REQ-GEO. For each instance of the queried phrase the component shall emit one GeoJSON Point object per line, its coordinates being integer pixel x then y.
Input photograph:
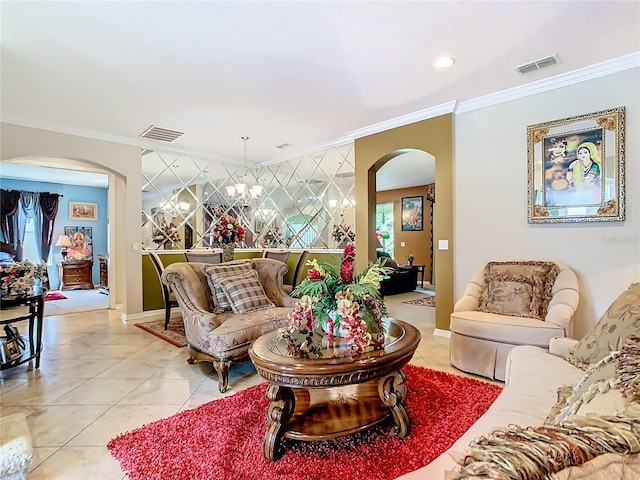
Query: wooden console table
{"type": "Point", "coordinates": [76, 275]}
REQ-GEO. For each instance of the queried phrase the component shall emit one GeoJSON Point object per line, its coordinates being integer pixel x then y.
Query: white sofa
{"type": "Point", "coordinates": [533, 376]}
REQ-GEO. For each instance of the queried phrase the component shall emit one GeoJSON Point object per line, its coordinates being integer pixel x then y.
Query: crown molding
{"type": "Point", "coordinates": [403, 120]}
{"type": "Point", "coordinates": [602, 69]}
{"type": "Point", "coordinates": [608, 67]}
{"type": "Point", "coordinates": [143, 143]}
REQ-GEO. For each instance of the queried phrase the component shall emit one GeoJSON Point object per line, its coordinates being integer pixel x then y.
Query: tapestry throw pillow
{"type": "Point", "coordinates": [533, 453]}
{"type": "Point", "coordinates": [600, 380]}
{"type": "Point", "coordinates": [621, 319]}
{"type": "Point", "coordinates": [245, 292]}
{"type": "Point", "coordinates": [216, 272]}
{"type": "Point", "coordinates": [518, 288]}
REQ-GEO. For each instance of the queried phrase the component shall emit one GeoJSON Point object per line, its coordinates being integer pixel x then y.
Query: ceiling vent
{"type": "Point", "coordinates": [282, 146]}
{"type": "Point", "coordinates": [345, 175]}
{"type": "Point", "coordinates": [162, 134]}
{"type": "Point", "coordinates": [538, 64]}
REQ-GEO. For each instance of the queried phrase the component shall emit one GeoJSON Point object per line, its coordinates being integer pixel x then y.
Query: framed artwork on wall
{"type": "Point", "coordinates": [576, 168]}
{"type": "Point", "coordinates": [83, 211]}
{"type": "Point", "coordinates": [81, 243]}
{"type": "Point", "coordinates": [412, 213]}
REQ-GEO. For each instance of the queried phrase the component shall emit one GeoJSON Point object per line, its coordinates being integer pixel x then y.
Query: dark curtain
{"type": "Point", "coordinates": [45, 221]}
{"type": "Point", "coordinates": [9, 200]}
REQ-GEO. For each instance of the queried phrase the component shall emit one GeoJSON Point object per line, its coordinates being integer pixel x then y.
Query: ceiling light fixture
{"type": "Point", "coordinates": [241, 190]}
{"type": "Point", "coordinates": [444, 62]}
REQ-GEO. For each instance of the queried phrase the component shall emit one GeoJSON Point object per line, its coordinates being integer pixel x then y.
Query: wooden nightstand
{"type": "Point", "coordinates": [76, 275]}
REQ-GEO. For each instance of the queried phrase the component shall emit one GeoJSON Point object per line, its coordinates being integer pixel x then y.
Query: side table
{"type": "Point", "coordinates": [419, 268]}
{"type": "Point", "coordinates": [14, 310]}
{"type": "Point", "coordinates": [76, 275]}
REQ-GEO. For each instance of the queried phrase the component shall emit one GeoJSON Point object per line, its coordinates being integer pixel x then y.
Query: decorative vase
{"type": "Point", "coordinates": [410, 263]}
{"type": "Point", "coordinates": [227, 252]}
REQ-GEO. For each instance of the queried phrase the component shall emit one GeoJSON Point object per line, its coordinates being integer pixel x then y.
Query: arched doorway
{"type": "Point", "coordinates": [435, 136]}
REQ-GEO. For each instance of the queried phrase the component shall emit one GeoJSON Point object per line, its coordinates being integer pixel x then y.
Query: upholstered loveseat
{"type": "Point", "coordinates": [568, 413]}
{"type": "Point", "coordinates": [225, 307]}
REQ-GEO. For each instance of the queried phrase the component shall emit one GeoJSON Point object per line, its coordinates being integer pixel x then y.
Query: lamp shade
{"type": "Point", "coordinates": [63, 241]}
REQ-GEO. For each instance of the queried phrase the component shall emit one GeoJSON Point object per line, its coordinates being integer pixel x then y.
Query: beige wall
{"type": "Point", "coordinates": [491, 204]}
{"type": "Point", "coordinates": [434, 136]}
{"type": "Point", "coordinates": [124, 162]}
{"type": "Point", "coordinates": [416, 242]}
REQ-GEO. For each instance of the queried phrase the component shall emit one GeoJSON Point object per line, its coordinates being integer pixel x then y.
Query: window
{"type": "Point", "coordinates": [384, 225]}
{"type": "Point", "coordinates": [29, 248]}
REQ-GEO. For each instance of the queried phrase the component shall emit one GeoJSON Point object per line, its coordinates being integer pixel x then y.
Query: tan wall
{"type": "Point", "coordinates": [416, 242]}
{"type": "Point", "coordinates": [434, 136]}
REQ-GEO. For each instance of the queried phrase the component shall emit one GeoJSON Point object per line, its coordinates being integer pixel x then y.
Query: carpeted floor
{"type": "Point", "coordinates": [223, 439]}
{"type": "Point", "coordinates": [174, 334]}
{"type": "Point", "coordinates": [426, 301]}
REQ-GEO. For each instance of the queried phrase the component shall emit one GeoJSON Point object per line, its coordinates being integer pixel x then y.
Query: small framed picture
{"type": "Point", "coordinates": [11, 349]}
{"type": "Point", "coordinates": [412, 213]}
{"type": "Point", "coordinates": [83, 211]}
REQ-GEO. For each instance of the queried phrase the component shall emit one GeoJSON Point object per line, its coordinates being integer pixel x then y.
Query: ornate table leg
{"type": "Point", "coordinates": [278, 415]}
{"type": "Point", "coordinates": [392, 391]}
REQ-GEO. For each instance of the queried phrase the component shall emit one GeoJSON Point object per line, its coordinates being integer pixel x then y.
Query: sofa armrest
{"type": "Point", "coordinates": [562, 346]}
{"type": "Point", "coordinates": [191, 291]}
{"type": "Point", "coordinates": [271, 273]}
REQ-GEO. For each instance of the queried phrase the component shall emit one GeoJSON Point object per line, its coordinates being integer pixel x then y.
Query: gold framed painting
{"type": "Point", "coordinates": [576, 168]}
{"type": "Point", "coordinates": [83, 211]}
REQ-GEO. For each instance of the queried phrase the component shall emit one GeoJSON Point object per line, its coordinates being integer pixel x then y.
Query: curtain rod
{"type": "Point", "coordinates": [27, 191]}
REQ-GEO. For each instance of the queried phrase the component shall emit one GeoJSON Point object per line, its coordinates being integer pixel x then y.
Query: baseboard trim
{"type": "Point", "coordinates": [150, 315]}
{"type": "Point", "coordinates": [437, 332]}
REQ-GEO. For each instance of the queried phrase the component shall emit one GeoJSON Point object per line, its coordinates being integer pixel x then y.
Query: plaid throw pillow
{"type": "Point", "coordinates": [245, 292]}
{"type": "Point", "coordinates": [217, 272]}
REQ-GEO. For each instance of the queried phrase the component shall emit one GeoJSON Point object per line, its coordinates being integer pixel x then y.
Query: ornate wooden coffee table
{"type": "Point", "coordinates": [337, 394]}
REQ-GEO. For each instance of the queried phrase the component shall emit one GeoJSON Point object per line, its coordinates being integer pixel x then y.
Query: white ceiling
{"type": "Point", "coordinates": [304, 73]}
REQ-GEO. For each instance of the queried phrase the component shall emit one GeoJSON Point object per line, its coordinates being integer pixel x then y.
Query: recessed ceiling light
{"type": "Point", "coordinates": [444, 62]}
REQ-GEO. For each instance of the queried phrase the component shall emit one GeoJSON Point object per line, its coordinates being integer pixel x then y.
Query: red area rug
{"type": "Point", "coordinates": [223, 439]}
{"type": "Point", "coordinates": [427, 301]}
{"type": "Point", "coordinates": [174, 334]}
{"type": "Point", "coordinates": [54, 296]}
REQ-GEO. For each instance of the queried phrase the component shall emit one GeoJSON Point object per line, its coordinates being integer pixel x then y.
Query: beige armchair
{"type": "Point", "coordinates": [223, 338]}
{"type": "Point", "coordinates": [508, 304]}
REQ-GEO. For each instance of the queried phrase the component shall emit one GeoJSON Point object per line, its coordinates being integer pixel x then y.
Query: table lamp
{"type": "Point", "coordinates": [64, 242]}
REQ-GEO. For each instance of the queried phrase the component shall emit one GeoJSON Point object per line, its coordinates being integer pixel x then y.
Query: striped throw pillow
{"type": "Point", "coordinates": [217, 272]}
{"type": "Point", "coordinates": [245, 292]}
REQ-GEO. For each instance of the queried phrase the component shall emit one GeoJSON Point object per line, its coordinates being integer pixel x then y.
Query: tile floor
{"type": "Point", "coordinates": [99, 377]}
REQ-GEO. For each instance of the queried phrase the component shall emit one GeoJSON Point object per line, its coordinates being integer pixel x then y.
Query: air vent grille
{"type": "Point", "coordinates": [345, 175]}
{"type": "Point", "coordinates": [162, 134]}
{"type": "Point", "coordinates": [537, 64]}
{"type": "Point", "coordinates": [282, 146]}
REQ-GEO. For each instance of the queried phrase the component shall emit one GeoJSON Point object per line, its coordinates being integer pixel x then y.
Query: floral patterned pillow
{"type": "Point", "coordinates": [518, 288]}
{"type": "Point", "coordinates": [621, 320]}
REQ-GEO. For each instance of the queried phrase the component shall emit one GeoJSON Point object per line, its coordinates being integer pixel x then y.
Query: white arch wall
{"type": "Point", "coordinates": [124, 191]}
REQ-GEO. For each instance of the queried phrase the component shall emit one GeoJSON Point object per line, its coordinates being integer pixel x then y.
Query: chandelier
{"type": "Point", "coordinates": [241, 190]}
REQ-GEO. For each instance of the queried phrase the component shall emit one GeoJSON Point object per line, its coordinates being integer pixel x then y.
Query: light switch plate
{"type": "Point", "coordinates": [402, 244]}
{"type": "Point", "coordinates": [443, 244]}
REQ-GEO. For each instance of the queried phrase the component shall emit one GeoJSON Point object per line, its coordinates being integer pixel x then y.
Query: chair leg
{"type": "Point", "coordinates": [222, 367]}
{"type": "Point", "coordinates": [167, 314]}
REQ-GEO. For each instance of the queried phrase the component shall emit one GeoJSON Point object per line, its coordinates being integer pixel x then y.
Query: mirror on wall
{"type": "Point", "coordinates": [307, 202]}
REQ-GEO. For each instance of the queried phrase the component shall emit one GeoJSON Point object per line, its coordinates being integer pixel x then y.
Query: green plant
{"type": "Point", "coordinates": [337, 302]}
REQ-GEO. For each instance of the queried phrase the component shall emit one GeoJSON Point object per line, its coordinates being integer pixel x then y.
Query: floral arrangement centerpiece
{"type": "Point", "coordinates": [337, 302]}
{"type": "Point", "coordinates": [19, 279]}
{"type": "Point", "coordinates": [343, 234]}
{"type": "Point", "coordinates": [228, 230]}
{"type": "Point", "coordinates": [165, 233]}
